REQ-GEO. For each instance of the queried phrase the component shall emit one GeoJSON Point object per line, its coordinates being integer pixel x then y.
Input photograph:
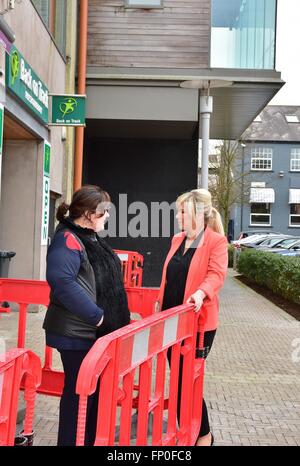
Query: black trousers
{"type": "Point", "coordinates": [208, 341]}
{"type": "Point", "coordinates": [68, 413]}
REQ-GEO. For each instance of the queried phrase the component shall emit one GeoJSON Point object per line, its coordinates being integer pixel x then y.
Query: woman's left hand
{"type": "Point", "coordinates": [197, 299]}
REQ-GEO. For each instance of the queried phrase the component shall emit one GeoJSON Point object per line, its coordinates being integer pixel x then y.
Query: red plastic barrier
{"type": "Point", "coordinates": [15, 365]}
{"type": "Point", "coordinates": [132, 263]}
{"type": "Point", "coordinates": [25, 292]}
{"type": "Point", "coordinates": [140, 349]}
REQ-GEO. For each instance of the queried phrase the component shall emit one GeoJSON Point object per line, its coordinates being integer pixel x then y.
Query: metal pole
{"type": "Point", "coordinates": [206, 107]}
{"type": "Point", "coordinates": [242, 193]}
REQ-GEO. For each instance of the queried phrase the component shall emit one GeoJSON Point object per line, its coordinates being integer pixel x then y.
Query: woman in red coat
{"type": "Point", "coordinates": [195, 269]}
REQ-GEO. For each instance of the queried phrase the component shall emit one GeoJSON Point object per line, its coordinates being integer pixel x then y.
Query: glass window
{"type": "Point", "coordinates": [54, 15]}
{"type": "Point", "coordinates": [292, 118]}
{"type": "Point", "coordinates": [260, 214]}
{"type": "Point", "coordinates": [60, 24]}
{"type": "Point", "coordinates": [261, 158]}
{"type": "Point", "coordinates": [294, 215]}
{"type": "Point", "coordinates": [143, 3]}
{"type": "Point", "coordinates": [243, 34]}
{"type": "Point", "coordinates": [42, 7]}
{"type": "Point", "coordinates": [295, 160]}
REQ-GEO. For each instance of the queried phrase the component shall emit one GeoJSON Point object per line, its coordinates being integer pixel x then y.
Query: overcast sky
{"type": "Point", "coordinates": [288, 52]}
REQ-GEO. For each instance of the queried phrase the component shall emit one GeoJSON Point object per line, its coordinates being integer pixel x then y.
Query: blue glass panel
{"type": "Point", "coordinates": [243, 34]}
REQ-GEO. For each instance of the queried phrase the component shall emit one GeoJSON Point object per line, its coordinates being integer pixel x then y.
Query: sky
{"type": "Point", "coordinates": [288, 52]}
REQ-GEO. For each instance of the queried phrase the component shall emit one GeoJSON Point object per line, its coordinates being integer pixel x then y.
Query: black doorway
{"type": "Point", "coordinates": [146, 170]}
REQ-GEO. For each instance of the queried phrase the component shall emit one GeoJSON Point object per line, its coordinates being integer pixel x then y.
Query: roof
{"type": "Point", "coordinates": [274, 126]}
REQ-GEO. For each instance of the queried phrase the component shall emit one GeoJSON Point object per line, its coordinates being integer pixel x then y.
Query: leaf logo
{"type": "Point", "coordinates": [14, 66]}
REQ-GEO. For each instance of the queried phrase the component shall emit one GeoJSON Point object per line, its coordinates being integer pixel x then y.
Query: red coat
{"type": "Point", "coordinates": [207, 272]}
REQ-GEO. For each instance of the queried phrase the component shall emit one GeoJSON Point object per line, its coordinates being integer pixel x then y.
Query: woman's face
{"type": "Point", "coordinates": [98, 219]}
{"type": "Point", "coordinates": [184, 219]}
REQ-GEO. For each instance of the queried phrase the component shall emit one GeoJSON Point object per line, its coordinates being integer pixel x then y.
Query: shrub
{"type": "Point", "coordinates": [278, 273]}
{"type": "Point", "coordinates": [230, 255]}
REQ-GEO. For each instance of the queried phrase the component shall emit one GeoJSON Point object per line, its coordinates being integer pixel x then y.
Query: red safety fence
{"type": "Point", "coordinates": [132, 263]}
{"type": "Point", "coordinates": [131, 364]}
{"type": "Point", "coordinates": [17, 366]}
{"type": "Point", "coordinates": [26, 292]}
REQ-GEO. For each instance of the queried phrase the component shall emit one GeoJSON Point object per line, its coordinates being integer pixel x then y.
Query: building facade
{"type": "Point", "coordinates": [34, 65]}
{"type": "Point", "coordinates": [148, 64]}
{"type": "Point", "coordinates": [272, 165]}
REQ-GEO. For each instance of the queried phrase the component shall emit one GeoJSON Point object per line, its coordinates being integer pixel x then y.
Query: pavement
{"type": "Point", "coordinates": [252, 375]}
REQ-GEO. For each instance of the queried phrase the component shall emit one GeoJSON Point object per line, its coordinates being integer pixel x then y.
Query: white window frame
{"type": "Point", "coordinates": [293, 225]}
{"type": "Point", "coordinates": [261, 154]}
{"type": "Point", "coordinates": [261, 224]}
{"type": "Point", "coordinates": [292, 118]}
{"type": "Point", "coordinates": [295, 160]}
{"type": "Point", "coordinates": [266, 214]}
{"type": "Point", "coordinates": [147, 5]}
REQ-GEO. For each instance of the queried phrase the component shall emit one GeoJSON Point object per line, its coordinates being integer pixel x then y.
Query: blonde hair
{"type": "Point", "coordinates": [199, 200]}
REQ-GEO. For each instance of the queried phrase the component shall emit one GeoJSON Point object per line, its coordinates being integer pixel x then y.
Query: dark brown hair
{"type": "Point", "coordinates": [86, 199]}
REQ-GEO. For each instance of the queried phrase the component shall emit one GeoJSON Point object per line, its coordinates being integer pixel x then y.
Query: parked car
{"type": "Point", "coordinates": [285, 246]}
{"type": "Point", "coordinates": [273, 241]}
{"type": "Point", "coordinates": [292, 250]}
{"type": "Point", "coordinates": [245, 233]}
{"type": "Point", "coordinates": [254, 239]}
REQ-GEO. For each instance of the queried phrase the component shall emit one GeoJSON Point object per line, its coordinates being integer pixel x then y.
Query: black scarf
{"type": "Point", "coordinates": [111, 295]}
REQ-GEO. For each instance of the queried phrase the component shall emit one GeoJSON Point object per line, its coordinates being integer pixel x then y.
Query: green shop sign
{"type": "Point", "coordinates": [68, 110]}
{"type": "Point", "coordinates": [46, 194]}
{"type": "Point", "coordinates": [25, 84]}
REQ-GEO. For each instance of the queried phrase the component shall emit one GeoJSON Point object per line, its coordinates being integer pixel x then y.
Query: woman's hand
{"type": "Point", "coordinates": [100, 322]}
{"type": "Point", "coordinates": [197, 299]}
{"type": "Point", "coordinates": [156, 306]}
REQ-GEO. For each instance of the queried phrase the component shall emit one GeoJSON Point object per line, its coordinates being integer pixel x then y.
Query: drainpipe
{"type": "Point", "coordinates": [82, 53]}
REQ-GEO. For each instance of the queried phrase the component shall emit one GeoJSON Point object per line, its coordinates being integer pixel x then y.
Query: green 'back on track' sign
{"type": "Point", "coordinates": [68, 110]}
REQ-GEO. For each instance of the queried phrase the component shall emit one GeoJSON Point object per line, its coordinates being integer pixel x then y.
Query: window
{"type": "Point", "coordinates": [292, 118]}
{"type": "Point", "coordinates": [260, 214]}
{"type": "Point", "coordinates": [295, 160]}
{"type": "Point", "coordinates": [54, 13]}
{"type": "Point", "coordinates": [294, 215]}
{"type": "Point", "coordinates": [42, 7]}
{"type": "Point", "coordinates": [243, 34]}
{"type": "Point", "coordinates": [261, 158]}
{"type": "Point", "coordinates": [143, 3]}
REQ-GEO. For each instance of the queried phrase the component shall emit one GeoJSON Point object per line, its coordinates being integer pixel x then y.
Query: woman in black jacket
{"type": "Point", "coordinates": [87, 298]}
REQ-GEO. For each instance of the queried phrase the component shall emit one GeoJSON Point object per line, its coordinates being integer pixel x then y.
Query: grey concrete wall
{"type": "Point", "coordinates": [22, 169]}
{"type": "Point", "coordinates": [280, 210]}
{"type": "Point", "coordinates": [36, 44]}
{"type": "Point", "coordinates": [18, 228]}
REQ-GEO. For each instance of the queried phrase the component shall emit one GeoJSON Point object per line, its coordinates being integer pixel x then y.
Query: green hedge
{"type": "Point", "coordinates": [230, 255]}
{"type": "Point", "coordinates": [279, 273]}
